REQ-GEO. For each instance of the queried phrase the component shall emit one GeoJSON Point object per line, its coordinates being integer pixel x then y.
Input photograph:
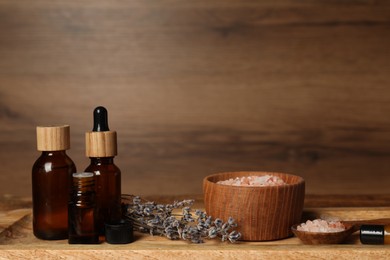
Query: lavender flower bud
{"type": "Point", "coordinates": [234, 236]}
{"type": "Point", "coordinates": [212, 232]}
{"type": "Point", "coordinates": [218, 222]}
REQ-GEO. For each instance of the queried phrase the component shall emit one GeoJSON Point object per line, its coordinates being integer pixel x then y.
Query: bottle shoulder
{"type": "Point", "coordinates": [102, 163]}
{"type": "Point", "coordinates": [54, 160]}
{"type": "Point", "coordinates": [102, 168]}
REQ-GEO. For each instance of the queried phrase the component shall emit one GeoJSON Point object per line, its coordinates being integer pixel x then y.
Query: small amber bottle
{"type": "Point", "coordinates": [101, 147]}
{"type": "Point", "coordinates": [82, 214]}
{"type": "Point", "coordinates": [51, 181]}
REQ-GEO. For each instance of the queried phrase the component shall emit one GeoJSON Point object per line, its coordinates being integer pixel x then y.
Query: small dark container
{"type": "Point", "coordinates": [375, 234]}
{"type": "Point", "coordinates": [82, 210]}
{"type": "Point", "coordinates": [119, 233]}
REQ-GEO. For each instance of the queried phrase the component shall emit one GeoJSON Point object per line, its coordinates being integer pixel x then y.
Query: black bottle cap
{"type": "Point", "coordinates": [372, 234]}
{"type": "Point", "coordinates": [100, 120]}
{"type": "Point", "coordinates": [119, 232]}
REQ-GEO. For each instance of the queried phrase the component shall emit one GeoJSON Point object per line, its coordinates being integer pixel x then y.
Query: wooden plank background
{"type": "Point", "coordinates": [201, 86]}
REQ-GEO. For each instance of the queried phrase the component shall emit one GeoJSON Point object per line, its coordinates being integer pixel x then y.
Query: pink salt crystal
{"type": "Point", "coordinates": [320, 225]}
{"type": "Point", "coordinates": [266, 180]}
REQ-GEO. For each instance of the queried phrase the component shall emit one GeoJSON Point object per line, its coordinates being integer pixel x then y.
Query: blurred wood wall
{"type": "Point", "coordinates": [201, 86]}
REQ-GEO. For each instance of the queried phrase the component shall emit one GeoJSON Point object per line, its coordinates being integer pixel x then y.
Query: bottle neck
{"type": "Point", "coordinates": [102, 160]}
{"type": "Point", "coordinates": [54, 153]}
{"type": "Point", "coordinates": [83, 182]}
{"type": "Point", "coordinates": [83, 189]}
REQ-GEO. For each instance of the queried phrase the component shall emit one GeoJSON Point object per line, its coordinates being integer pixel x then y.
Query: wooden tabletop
{"type": "Point", "coordinates": [17, 240]}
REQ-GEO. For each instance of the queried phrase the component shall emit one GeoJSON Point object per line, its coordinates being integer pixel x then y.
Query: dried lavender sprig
{"type": "Point", "coordinates": [159, 219]}
{"type": "Point", "coordinates": [148, 216]}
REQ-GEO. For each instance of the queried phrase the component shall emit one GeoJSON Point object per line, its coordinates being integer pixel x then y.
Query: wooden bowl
{"type": "Point", "coordinates": [262, 213]}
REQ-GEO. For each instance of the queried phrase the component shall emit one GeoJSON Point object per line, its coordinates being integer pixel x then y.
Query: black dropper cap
{"type": "Point", "coordinates": [100, 119]}
{"type": "Point", "coordinates": [372, 234]}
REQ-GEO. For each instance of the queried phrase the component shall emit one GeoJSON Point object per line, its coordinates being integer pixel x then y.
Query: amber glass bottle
{"type": "Point", "coordinates": [101, 147]}
{"type": "Point", "coordinates": [82, 214]}
{"type": "Point", "coordinates": [51, 181]}
{"type": "Point", "coordinates": [108, 190]}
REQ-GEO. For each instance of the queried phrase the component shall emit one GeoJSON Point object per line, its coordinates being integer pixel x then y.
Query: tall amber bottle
{"type": "Point", "coordinates": [101, 148]}
{"type": "Point", "coordinates": [51, 182]}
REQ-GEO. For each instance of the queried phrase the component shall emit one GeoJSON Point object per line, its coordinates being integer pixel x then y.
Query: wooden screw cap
{"type": "Point", "coordinates": [101, 144]}
{"type": "Point", "coordinates": [53, 138]}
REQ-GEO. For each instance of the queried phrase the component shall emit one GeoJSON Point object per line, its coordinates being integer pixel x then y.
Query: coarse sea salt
{"type": "Point", "coordinates": [320, 225]}
{"type": "Point", "coordinates": [266, 180]}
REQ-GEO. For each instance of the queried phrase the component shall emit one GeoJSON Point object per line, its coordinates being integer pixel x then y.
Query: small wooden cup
{"type": "Point", "coordinates": [262, 213]}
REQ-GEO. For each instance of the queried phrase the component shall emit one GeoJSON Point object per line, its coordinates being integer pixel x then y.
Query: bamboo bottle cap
{"type": "Point", "coordinates": [101, 144]}
{"type": "Point", "coordinates": [53, 138]}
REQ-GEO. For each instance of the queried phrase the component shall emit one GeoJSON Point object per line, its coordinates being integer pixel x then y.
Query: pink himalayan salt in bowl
{"type": "Point", "coordinates": [266, 180]}
{"type": "Point", "coordinates": [261, 212]}
{"type": "Point", "coordinates": [321, 225]}
{"type": "Point", "coordinates": [321, 233]}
